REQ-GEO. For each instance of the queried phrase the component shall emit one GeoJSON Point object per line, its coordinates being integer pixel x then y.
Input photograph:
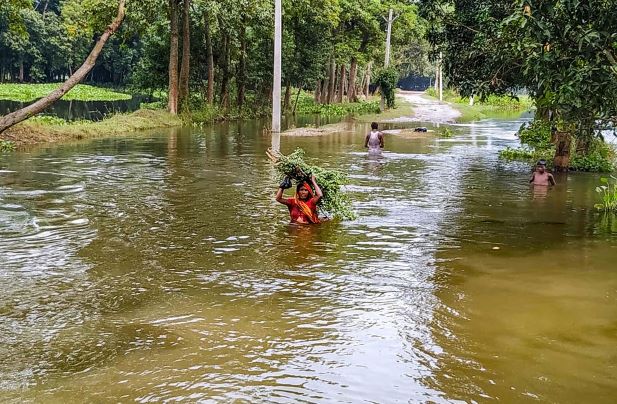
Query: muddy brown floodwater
{"type": "Point", "coordinates": [158, 267]}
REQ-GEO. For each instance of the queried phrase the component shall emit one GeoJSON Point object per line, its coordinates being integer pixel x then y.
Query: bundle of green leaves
{"type": "Point", "coordinates": [335, 203]}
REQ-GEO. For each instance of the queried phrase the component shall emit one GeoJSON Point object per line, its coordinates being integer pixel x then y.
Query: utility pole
{"type": "Point", "coordinates": [390, 21]}
{"type": "Point", "coordinates": [386, 62]}
{"type": "Point", "coordinates": [276, 86]}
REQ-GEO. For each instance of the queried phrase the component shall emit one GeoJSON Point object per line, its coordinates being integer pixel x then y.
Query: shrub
{"type": "Point", "coordinates": [387, 80]}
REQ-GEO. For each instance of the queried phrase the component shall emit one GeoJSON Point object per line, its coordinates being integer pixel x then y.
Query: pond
{"type": "Point", "coordinates": [80, 110]}
{"type": "Point", "coordinates": [158, 266]}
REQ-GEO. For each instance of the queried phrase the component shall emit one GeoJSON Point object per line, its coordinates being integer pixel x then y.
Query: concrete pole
{"type": "Point", "coordinates": [276, 86]}
{"type": "Point", "coordinates": [386, 62]}
{"type": "Point", "coordinates": [440, 76]}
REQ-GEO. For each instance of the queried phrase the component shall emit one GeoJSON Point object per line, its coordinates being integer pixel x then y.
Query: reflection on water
{"type": "Point", "coordinates": [78, 110]}
{"type": "Point", "coordinates": [159, 267]}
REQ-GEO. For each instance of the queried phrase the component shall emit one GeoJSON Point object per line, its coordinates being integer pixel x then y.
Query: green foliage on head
{"type": "Point", "coordinates": [334, 202]}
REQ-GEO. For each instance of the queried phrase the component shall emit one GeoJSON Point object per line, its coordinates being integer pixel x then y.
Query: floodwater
{"type": "Point", "coordinates": [158, 267]}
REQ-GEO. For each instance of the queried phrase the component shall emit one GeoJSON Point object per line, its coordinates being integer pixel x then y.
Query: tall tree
{"type": "Point", "coordinates": [20, 115]}
{"type": "Point", "coordinates": [185, 67]}
{"type": "Point", "coordinates": [172, 104]}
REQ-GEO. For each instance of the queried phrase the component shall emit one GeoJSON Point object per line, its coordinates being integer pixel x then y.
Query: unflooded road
{"type": "Point", "coordinates": [426, 109]}
{"type": "Point", "coordinates": [158, 267]}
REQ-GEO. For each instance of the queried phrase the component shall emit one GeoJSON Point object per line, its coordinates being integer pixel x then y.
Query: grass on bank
{"type": "Point", "coordinates": [51, 129]}
{"type": "Point", "coordinates": [81, 92]}
{"type": "Point", "coordinates": [493, 105]}
{"type": "Point", "coordinates": [200, 113]}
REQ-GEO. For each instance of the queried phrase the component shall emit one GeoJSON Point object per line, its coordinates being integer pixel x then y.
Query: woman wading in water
{"type": "Point", "coordinates": [303, 206]}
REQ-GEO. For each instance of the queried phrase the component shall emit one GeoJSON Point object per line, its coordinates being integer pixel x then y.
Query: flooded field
{"type": "Point", "coordinates": [159, 267]}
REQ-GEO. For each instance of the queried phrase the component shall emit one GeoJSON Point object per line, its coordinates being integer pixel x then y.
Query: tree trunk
{"type": "Point", "coordinates": [367, 84]}
{"type": "Point", "coordinates": [297, 98]}
{"type": "Point", "coordinates": [225, 79]}
{"type": "Point", "coordinates": [563, 140]}
{"type": "Point", "coordinates": [287, 102]}
{"type": "Point", "coordinates": [210, 56]}
{"type": "Point", "coordinates": [242, 65]}
{"type": "Point", "coordinates": [21, 71]}
{"type": "Point", "coordinates": [185, 68]}
{"type": "Point", "coordinates": [353, 71]}
{"type": "Point", "coordinates": [22, 114]}
{"type": "Point", "coordinates": [331, 81]}
{"type": "Point", "coordinates": [341, 83]}
{"type": "Point", "coordinates": [325, 85]}
{"type": "Point", "coordinates": [317, 94]}
{"type": "Point", "coordinates": [172, 104]}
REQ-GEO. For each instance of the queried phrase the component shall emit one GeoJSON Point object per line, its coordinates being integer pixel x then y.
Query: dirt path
{"type": "Point", "coordinates": [426, 109]}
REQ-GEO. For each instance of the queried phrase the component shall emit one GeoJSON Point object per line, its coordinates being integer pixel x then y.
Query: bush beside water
{"type": "Point", "coordinates": [536, 145]}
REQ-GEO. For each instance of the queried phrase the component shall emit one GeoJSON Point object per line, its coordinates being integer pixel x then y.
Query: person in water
{"type": "Point", "coordinates": [540, 176]}
{"type": "Point", "coordinates": [303, 206]}
{"type": "Point", "coordinates": [374, 140]}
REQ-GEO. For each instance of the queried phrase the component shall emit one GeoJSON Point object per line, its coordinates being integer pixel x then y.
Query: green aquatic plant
{"type": "Point", "coordinates": [445, 132]}
{"type": "Point", "coordinates": [335, 202]}
{"type": "Point", "coordinates": [608, 194]}
{"type": "Point", "coordinates": [6, 146]}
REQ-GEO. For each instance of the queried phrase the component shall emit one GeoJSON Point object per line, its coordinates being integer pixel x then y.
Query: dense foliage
{"type": "Point", "coordinates": [563, 52]}
{"type": "Point", "coordinates": [335, 202]}
{"type": "Point", "coordinates": [329, 47]}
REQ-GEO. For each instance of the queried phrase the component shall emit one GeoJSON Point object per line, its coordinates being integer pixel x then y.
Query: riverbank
{"type": "Point", "coordinates": [48, 129]}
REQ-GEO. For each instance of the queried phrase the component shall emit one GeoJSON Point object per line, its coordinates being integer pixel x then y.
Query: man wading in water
{"type": "Point", "coordinates": [374, 140]}
{"type": "Point", "coordinates": [540, 176]}
{"type": "Point", "coordinates": [303, 206]}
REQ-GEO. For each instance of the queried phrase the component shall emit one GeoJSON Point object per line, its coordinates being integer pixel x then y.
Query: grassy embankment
{"type": "Point", "coordinates": [492, 106]}
{"type": "Point", "coordinates": [42, 128]}
{"type": "Point", "coordinates": [50, 129]}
